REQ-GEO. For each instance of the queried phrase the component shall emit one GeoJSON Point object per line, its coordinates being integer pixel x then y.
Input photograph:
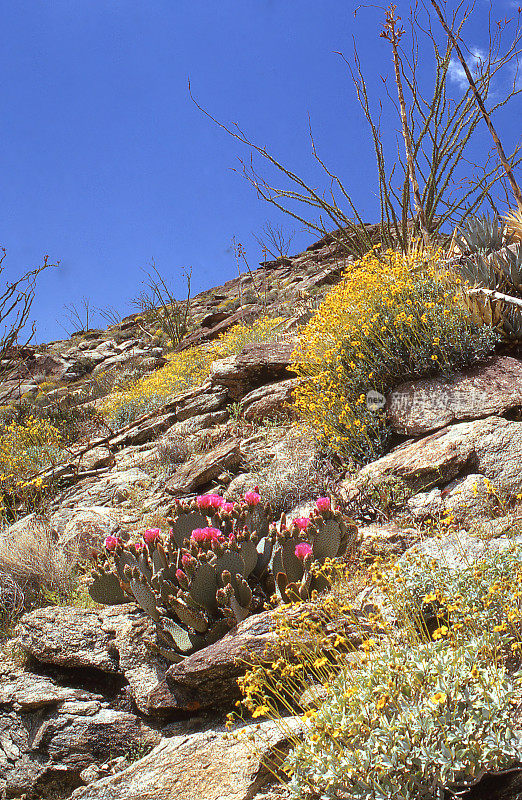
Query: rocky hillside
{"type": "Point", "coordinates": [88, 709]}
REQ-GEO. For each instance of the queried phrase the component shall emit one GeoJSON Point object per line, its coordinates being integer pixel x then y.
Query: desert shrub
{"type": "Point", "coordinates": [408, 722]}
{"type": "Point", "coordinates": [185, 370]}
{"type": "Point", "coordinates": [394, 706]}
{"type": "Point", "coordinates": [25, 449]}
{"type": "Point", "coordinates": [392, 318]}
{"type": "Point", "coordinates": [171, 450]}
{"type": "Point", "coordinates": [458, 601]}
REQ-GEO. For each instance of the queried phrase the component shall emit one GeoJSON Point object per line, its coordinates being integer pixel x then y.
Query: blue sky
{"type": "Point", "coordinates": [106, 163]}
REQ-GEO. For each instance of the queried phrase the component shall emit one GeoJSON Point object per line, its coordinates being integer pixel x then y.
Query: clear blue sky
{"type": "Point", "coordinates": [106, 163]}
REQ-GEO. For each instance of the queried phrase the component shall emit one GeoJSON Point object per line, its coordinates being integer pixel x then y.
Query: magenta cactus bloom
{"type": "Point", "coordinates": [302, 550]}
{"type": "Point", "coordinates": [301, 522]}
{"type": "Point", "coordinates": [151, 535]}
{"type": "Point", "coordinates": [180, 575]}
{"type": "Point", "coordinates": [207, 535]}
{"type": "Point", "coordinates": [323, 504]}
{"type": "Point", "coordinates": [186, 559]}
{"type": "Point", "coordinates": [227, 508]}
{"type": "Point", "coordinates": [252, 498]}
{"type": "Point", "coordinates": [213, 501]}
{"type": "Point", "coordinates": [111, 543]}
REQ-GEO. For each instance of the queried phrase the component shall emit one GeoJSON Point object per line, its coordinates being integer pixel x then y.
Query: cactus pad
{"type": "Point", "coordinates": [106, 590]}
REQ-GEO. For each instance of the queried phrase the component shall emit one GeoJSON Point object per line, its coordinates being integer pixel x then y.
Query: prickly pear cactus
{"type": "Point", "coordinates": [219, 563]}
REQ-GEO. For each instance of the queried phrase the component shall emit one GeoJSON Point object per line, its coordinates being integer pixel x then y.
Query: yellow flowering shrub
{"type": "Point", "coordinates": [392, 318]}
{"type": "Point", "coordinates": [393, 704]}
{"type": "Point", "coordinates": [26, 448]}
{"type": "Point", "coordinates": [185, 370]}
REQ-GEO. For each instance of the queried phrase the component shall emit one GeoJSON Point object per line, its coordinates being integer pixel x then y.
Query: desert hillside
{"type": "Point", "coordinates": [298, 525]}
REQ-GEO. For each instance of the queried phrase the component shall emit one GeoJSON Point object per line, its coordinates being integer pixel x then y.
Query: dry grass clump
{"type": "Point", "coordinates": [171, 451]}
{"type": "Point", "coordinates": [31, 557]}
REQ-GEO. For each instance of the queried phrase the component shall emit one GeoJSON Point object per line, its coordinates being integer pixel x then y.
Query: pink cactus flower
{"type": "Point", "coordinates": [186, 559]}
{"type": "Point", "coordinates": [301, 522]}
{"type": "Point", "coordinates": [111, 543]}
{"type": "Point", "coordinates": [323, 504]}
{"type": "Point", "coordinates": [227, 508]}
{"type": "Point", "coordinates": [252, 498]}
{"type": "Point", "coordinates": [180, 575]}
{"type": "Point", "coordinates": [138, 546]}
{"type": "Point", "coordinates": [213, 501]}
{"type": "Point", "coordinates": [151, 535]}
{"type": "Point", "coordinates": [207, 535]}
{"type": "Point", "coordinates": [302, 550]}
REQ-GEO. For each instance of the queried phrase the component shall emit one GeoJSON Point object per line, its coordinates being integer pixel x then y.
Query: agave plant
{"type": "Point", "coordinates": [481, 235]}
{"type": "Point", "coordinates": [217, 565]}
{"type": "Point", "coordinates": [514, 224]}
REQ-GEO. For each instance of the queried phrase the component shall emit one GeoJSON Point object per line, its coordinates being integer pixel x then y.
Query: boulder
{"type": "Point", "coordinates": [111, 640]}
{"type": "Point", "coordinates": [257, 364]}
{"type": "Point", "coordinates": [50, 733]}
{"type": "Point", "coordinates": [491, 447]}
{"type": "Point", "coordinates": [269, 401]}
{"type": "Point", "coordinates": [146, 431]}
{"type": "Point", "coordinates": [112, 488]}
{"type": "Point", "coordinates": [210, 765]}
{"type": "Point", "coordinates": [418, 407]}
{"type": "Point", "coordinates": [84, 529]}
{"type": "Point", "coordinates": [206, 334]}
{"type": "Point", "coordinates": [457, 551]}
{"type": "Point", "coordinates": [96, 458]}
{"type": "Point", "coordinates": [209, 676]}
{"type": "Point", "coordinates": [201, 469]}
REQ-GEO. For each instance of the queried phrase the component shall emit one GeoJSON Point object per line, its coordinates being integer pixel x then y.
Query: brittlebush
{"type": "Point", "coordinates": [185, 370]}
{"type": "Point", "coordinates": [392, 318]}
{"type": "Point", "coordinates": [25, 449]}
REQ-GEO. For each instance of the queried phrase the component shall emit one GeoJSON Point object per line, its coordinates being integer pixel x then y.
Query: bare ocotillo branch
{"type": "Point", "coordinates": [478, 98]}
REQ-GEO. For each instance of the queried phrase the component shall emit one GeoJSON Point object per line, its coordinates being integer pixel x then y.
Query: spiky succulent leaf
{"type": "Point", "coordinates": [481, 234]}
{"type": "Point", "coordinates": [106, 590]}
